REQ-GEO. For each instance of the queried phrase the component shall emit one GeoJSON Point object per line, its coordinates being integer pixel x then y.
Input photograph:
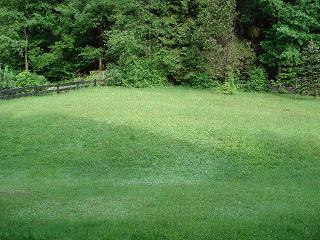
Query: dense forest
{"type": "Point", "coordinates": [201, 43]}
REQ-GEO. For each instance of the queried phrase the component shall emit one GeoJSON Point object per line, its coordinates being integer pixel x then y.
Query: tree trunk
{"type": "Point", "coordinates": [100, 64]}
{"type": "Point", "coordinates": [101, 68]}
{"type": "Point", "coordinates": [101, 43]}
{"type": "Point", "coordinates": [279, 68]}
{"type": "Point", "coordinates": [226, 58]}
{"type": "Point", "coordinates": [26, 59]}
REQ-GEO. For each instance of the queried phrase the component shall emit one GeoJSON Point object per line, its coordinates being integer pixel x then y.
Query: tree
{"type": "Point", "coordinates": [25, 25]}
{"type": "Point", "coordinates": [310, 70]}
{"type": "Point", "coordinates": [188, 42]}
{"type": "Point", "coordinates": [293, 25]}
{"type": "Point", "coordinates": [86, 23]}
{"type": "Point", "coordinates": [12, 41]}
{"type": "Point", "coordinates": [217, 29]}
{"type": "Point", "coordinates": [173, 38]}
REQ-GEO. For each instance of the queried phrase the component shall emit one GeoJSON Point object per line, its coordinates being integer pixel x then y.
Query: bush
{"type": "Point", "coordinates": [142, 73]}
{"type": "Point", "coordinates": [229, 87]}
{"type": "Point", "coordinates": [114, 76]}
{"type": "Point", "coordinates": [138, 73]}
{"type": "Point", "coordinates": [6, 78]}
{"type": "Point", "coordinates": [288, 76]}
{"type": "Point", "coordinates": [200, 80]}
{"type": "Point", "coordinates": [169, 61]}
{"type": "Point", "coordinates": [257, 80]}
{"type": "Point", "coordinates": [95, 75]}
{"type": "Point", "coordinates": [241, 57]}
{"type": "Point", "coordinates": [26, 78]}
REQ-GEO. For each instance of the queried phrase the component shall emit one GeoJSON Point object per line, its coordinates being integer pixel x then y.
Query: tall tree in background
{"type": "Point", "coordinates": [154, 42]}
{"type": "Point", "coordinates": [217, 28]}
{"type": "Point", "coordinates": [310, 70]}
{"type": "Point", "coordinates": [295, 23]}
{"type": "Point", "coordinates": [14, 32]}
{"type": "Point", "coordinates": [176, 39]}
{"type": "Point", "coordinates": [85, 22]}
{"type": "Point", "coordinates": [24, 24]}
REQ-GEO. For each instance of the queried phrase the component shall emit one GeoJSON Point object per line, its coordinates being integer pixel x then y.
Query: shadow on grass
{"type": "Point", "coordinates": [93, 149]}
{"type": "Point", "coordinates": [95, 180]}
{"type": "Point", "coordinates": [297, 97]}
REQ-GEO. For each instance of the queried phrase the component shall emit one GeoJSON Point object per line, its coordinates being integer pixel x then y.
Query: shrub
{"type": "Point", "coordinates": [257, 80]}
{"type": "Point", "coordinates": [142, 73]}
{"type": "Point", "coordinates": [6, 78]}
{"type": "Point", "coordinates": [310, 70]}
{"type": "Point", "coordinates": [138, 73]}
{"type": "Point", "coordinates": [27, 78]}
{"type": "Point", "coordinates": [95, 75]}
{"type": "Point", "coordinates": [200, 80]}
{"type": "Point", "coordinates": [241, 57]}
{"type": "Point", "coordinates": [114, 76]}
{"type": "Point", "coordinates": [290, 60]}
{"type": "Point", "coordinates": [229, 87]}
{"type": "Point", "coordinates": [169, 61]}
{"type": "Point", "coordinates": [125, 44]}
{"type": "Point", "coordinates": [288, 76]}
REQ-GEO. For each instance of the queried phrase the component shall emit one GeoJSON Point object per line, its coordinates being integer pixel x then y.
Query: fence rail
{"type": "Point", "coordinates": [46, 89]}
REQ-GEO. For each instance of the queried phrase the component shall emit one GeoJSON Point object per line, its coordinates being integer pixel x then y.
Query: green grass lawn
{"type": "Point", "coordinates": [163, 163]}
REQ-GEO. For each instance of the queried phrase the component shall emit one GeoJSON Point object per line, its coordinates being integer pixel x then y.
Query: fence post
{"type": "Point", "coordinates": [35, 91]}
{"type": "Point", "coordinates": [58, 88]}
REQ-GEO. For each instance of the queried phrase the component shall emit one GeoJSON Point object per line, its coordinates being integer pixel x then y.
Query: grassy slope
{"type": "Point", "coordinates": [164, 163]}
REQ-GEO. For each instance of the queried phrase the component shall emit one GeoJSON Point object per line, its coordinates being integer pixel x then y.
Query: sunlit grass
{"type": "Point", "coordinates": [163, 163]}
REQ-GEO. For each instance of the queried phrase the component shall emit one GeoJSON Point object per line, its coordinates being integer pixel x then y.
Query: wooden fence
{"type": "Point", "coordinates": [46, 89]}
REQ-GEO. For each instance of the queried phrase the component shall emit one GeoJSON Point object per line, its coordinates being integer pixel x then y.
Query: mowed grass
{"type": "Point", "coordinates": [163, 163]}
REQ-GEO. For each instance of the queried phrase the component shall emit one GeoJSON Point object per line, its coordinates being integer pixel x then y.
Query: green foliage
{"type": "Point", "coordinates": [114, 76]}
{"type": "Point", "coordinates": [26, 78]}
{"type": "Point", "coordinates": [133, 65]}
{"type": "Point", "coordinates": [288, 68]}
{"type": "Point", "coordinates": [169, 60]}
{"type": "Point", "coordinates": [310, 70]}
{"type": "Point", "coordinates": [167, 39]}
{"type": "Point", "coordinates": [124, 44]}
{"type": "Point", "coordinates": [6, 78]}
{"type": "Point", "coordinates": [241, 57]}
{"type": "Point", "coordinates": [293, 25]}
{"type": "Point", "coordinates": [95, 75]}
{"type": "Point", "coordinates": [25, 26]}
{"type": "Point", "coordinates": [175, 40]}
{"type": "Point", "coordinates": [257, 80]}
{"type": "Point", "coordinates": [142, 73]}
{"type": "Point", "coordinates": [139, 73]}
{"type": "Point", "coordinates": [200, 80]}
{"type": "Point", "coordinates": [288, 76]}
{"type": "Point", "coordinates": [52, 65]}
{"type": "Point", "coordinates": [215, 36]}
{"type": "Point", "coordinates": [229, 87]}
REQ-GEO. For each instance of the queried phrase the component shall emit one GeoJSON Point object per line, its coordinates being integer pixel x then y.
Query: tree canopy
{"type": "Point", "coordinates": [155, 42]}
